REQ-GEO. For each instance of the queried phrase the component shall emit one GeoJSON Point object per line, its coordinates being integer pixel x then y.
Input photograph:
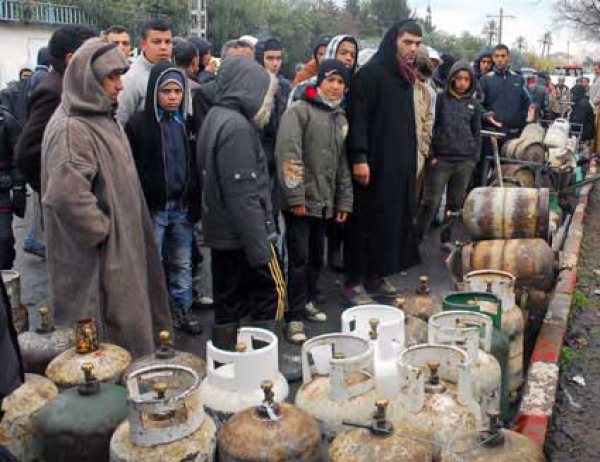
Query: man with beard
{"type": "Point", "coordinates": [382, 149]}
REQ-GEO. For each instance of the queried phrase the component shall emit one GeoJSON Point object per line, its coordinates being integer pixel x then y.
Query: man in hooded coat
{"type": "Point", "coordinates": [102, 257]}
{"type": "Point", "coordinates": [382, 150]}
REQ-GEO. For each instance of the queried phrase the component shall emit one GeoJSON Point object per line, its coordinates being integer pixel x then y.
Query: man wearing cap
{"type": "Point", "coordinates": [102, 257]}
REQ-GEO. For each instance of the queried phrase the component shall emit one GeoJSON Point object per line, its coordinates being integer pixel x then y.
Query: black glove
{"type": "Point", "coordinates": [19, 200]}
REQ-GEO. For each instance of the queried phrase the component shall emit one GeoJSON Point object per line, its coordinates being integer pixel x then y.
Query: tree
{"type": "Point", "coordinates": [520, 43]}
{"type": "Point", "coordinates": [353, 8]}
{"type": "Point", "coordinates": [386, 12]}
{"type": "Point", "coordinates": [584, 15]}
{"type": "Point", "coordinates": [490, 31]}
{"type": "Point", "coordinates": [465, 46]}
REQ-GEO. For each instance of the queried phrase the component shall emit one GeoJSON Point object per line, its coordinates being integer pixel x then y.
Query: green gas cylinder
{"type": "Point", "coordinates": [490, 305]}
{"type": "Point", "coordinates": [78, 424]}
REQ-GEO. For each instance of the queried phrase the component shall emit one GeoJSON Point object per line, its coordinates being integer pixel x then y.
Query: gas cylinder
{"type": "Point", "coordinates": [502, 285]}
{"type": "Point", "coordinates": [493, 445]}
{"type": "Point", "coordinates": [415, 331]}
{"type": "Point", "coordinates": [384, 326]}
{"type": "Point", "coordinates": [488, 304]}
{"type": "Point", "coordinates": [46, 342]}
{"type": "Point", "coordinates": [270, 432]}
{"type": "Point", "coordinates": [78, 424]}
{"type": "Point", "coordinates": [531, 261]}
{"type": "Point", "coordinates": [472, 332]}
{"type": "Point", "coordinates": [12, 283]}
{"type": "Point", "coordinates": [109, 361]}
{"type": "Point", "coordinates": [167, 354]}
{"type": "Point", "coordinates": [337, 381]}
{"type": "Point", "coordinates": [428, 406]}
{"type": "Point", "coordinates": [166, 419]}
{"type": "Point", "coordinates": [507, 213]}
{"type": "Point", "coordinates": [378, 442]}
{"type": "Point", "coordinates": [419, 302]}
{"type": "Point", "coordinates": [235, 384]}
{"type": "Point", "coordinates": [17, 428]}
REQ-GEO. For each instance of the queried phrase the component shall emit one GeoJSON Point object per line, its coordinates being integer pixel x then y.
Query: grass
{"type": "Point", "coordinates": [580, 300]}
{"type": "Point", "coordinates": [566, 357]}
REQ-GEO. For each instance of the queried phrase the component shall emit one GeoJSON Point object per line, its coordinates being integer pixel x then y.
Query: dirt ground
{"type": "Point", "coordinates": [575, 431]}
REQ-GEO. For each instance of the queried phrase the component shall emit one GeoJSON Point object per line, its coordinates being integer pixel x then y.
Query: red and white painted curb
{"type": "Point", "coordinates": [539, 395]}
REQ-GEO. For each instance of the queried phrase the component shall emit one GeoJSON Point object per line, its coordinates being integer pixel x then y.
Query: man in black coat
{"type": "Point", "coordinates": [382, 150]}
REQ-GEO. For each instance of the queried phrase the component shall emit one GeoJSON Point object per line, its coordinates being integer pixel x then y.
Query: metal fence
{"type": "Point", "coordinates": [41, 13]}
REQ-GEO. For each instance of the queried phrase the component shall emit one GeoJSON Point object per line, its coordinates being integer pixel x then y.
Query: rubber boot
{"type": "Point", "coordinates": [290, 360]}
{"type": "Point", "coordinates": [224, 336]}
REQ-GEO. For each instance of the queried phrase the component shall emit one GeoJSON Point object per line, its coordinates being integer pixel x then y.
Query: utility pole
{"type": "Point", "coordinates": [501, 17]}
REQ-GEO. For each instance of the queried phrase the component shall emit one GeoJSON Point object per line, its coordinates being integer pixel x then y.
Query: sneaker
{"type": "Point", "coordinates": [383, 288]}
{"type": "Point", "coordinates": [355, 296]}
{"type": "Point", "coordinates": [188, 324]}
{"type": "Point", "coordinates": [295, 332]}
{"type": "Point", "coordinates": [312, 313]}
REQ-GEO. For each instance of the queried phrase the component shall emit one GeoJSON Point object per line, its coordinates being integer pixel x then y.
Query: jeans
{"type": "Point", "coordinates": [305, 241]}
{"type": "Point", "coordinates": [457, 176]}
{"type": "Point", "coordinates": [7, 241]}
{"type": "Point", "coordinates": [174, 237]}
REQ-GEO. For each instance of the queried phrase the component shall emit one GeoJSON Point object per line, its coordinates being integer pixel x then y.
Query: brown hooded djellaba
{"type": "Point", "coordinates": [100, 247]}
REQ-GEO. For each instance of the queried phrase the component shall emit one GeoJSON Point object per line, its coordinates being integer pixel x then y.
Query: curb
{"type": "Point", "coordinates": [539, 396]}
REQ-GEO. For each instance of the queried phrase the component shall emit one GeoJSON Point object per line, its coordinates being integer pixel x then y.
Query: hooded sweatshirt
{"type": "Point", "coordinates": [311, 68]}
{"type": "Point", "coordinates": [236, 206]}
{"type": "Point", "coordinates": [160, 147]}
{"type": "Point", "coordinates": [457, 129]}
{"type": "Point", "coordinates": [330, 53]}
{"type": "Point", "coordinates": [101, 251]}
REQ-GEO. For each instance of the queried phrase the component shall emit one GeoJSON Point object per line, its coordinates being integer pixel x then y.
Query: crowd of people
{"type": "Point", "coordinates": [138, 165]}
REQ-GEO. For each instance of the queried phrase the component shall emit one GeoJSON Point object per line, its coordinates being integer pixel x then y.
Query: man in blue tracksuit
{"type": "Point", "coordinates": [504, 94]}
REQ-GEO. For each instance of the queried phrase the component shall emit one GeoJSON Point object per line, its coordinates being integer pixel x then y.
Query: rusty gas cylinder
{"type": "Point", "coordinates": [78, 424]}
{"type": "Point", "coordinates": [493, 445]}
{"type": "Point", "coordinates": [17, 426]}
{"type": "Point", "coordinates": [420, 302]}
{"type": "Point", "coordinates": [166, 418]}
{"type": "Point", "coordinates": [270, 432]}
{"type": "Point", "coordinates": [531, 261]}
{"type": "Point", "coordinates": [167, 354]}
{"type": "Point", "coordinates": [109, 361]}
{"type": "Point", "coordinates": [517, 176]}
{"type": "Point", "coordinates": [428, 406]}
{"type": "Point", "coordinates": [46, 342]}
{"type": "Point", "coordinates": [378, 442]}
{"type": "Point", "coordinates": [12, 283]}
{"type": "Point", "coordinates": [507, 213]}
{"type": "Point", "coordinates": [415, 331]}
{"type": "Point", "coordinates": [338, 382]}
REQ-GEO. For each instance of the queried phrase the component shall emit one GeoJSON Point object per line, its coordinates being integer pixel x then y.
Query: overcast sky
{"type": "Point", "coordinates": [533, 18]}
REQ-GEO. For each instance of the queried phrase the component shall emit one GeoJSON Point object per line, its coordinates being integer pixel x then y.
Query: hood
{"type": "Point", "coordinates": [243, 85]}
{"type": "Point", "coordinates": [82, 92]}
{"type": "Point", "coordinates": [322, 40]}
{"type": "Point", "coordinates": [578, 93]}
{"type": "Point", "coordinates": [442, 72]}
{"type": "Point", "coordinates": [484, 53]}
{"type": "Point", "coordinates": [333, 46]}
{"type": "Point", "coordinates": [388, 49]}
{"type": "Point", "coordinates": [158, 70]}
{"type": "Point", "coordinates": [262, 46]}
{"type": "Point", "coordinates": [461, 66]}
{"type": "Point", "coordinates": [313, 95]}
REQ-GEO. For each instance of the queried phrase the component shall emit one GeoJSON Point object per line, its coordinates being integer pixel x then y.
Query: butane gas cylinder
{"type": "Point", "coordinates": [16, 428]}
{"type": "Point", "coordinates": [419, 302]}
{"type": "Point", "coordinates": [428, 406]}
{"type": "Point", "coordinates": [78, 424]}
{"type": "Point", "coordinates": [337, 381]}
{"type": "Point", "coordinates": [489, 305]}
{"type": "Point", "coordinates": [167, 354]}
{"type": "Point", "coordinates": [46, 342]}
{"type": "Point", "coordinates": [270, 432]}
{"type": "Point", "coordinates": [378, 442]}
{"type": "Point", "coordinates": [502, 284]}
{"type": "Point", "coordinates": [415, 331]}
{"type": "Point", "coordinates": [235, 383]}
{"type": "Point", "coordinates": [493, 445]}
{"type": "Point", "coordinates": [12, 283]}
{"type": "Point", "coordinates": [384, 326]}
{"type": "Point", "coordinates": [166, 418]}
{"type": "Point", "coordinates": [109, 361]}
{"type": "Point", "coordinates": [472, 332]}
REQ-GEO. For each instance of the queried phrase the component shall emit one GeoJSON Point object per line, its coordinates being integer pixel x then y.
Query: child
{"type": "Point", "coordinates": [316, 186]}
{"type": "Point", "coordinates": [167, 172]}
{"type": "Point", "coordinates": [455, 147]}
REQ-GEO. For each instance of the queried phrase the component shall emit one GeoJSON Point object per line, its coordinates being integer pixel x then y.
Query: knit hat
{"type": "Point", "coordinates": [107, 60]}
{"type": "Point", "coordinates": [331, 67]}
{"type": "Point", "coordinates": [171, 76]}
{"type": "Point", "coordinates": [262, 46]}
